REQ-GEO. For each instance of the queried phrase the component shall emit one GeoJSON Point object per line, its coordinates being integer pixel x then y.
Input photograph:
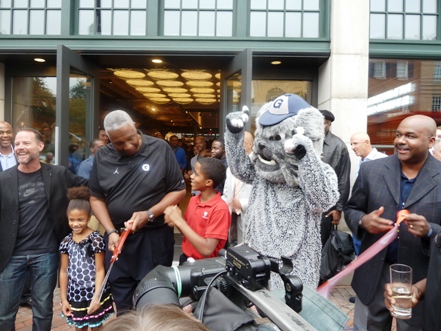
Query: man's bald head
{"type": "Point", "coordinates": [361, 144]}
{"type": "Point", "coordinates": [248, 142]}
{"type": "Point", "coordinates": [421, 122]}
{"type": "Point", "coordinates": [414, 136]}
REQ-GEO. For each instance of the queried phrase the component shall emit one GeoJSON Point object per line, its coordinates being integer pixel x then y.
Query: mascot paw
{"type": "Point", "coordinates": [296, 145]}
{"type": "Point", "coordinates": [236, 120]}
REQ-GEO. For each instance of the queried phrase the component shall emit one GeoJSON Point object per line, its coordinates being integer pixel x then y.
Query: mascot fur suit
{"type": "Point", "coordinates": [292, 187]}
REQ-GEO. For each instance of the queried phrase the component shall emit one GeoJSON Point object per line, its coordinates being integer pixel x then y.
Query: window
{"type": "Point", "coordinates": [285, 18]}
{"type": "Point", "coordinates": [402, 71]}
{"type": "Point", "coordinates": [404, 19]}
{"type": "Point", "coordinates": [112, 17]}
{"type": "Point", "coordinates": [436, 103]}
{"type": "Point", "coordinates": [201, 18]}
{"type": "Point", "coordinates": [395, 97]}
{"type": "Point", "coordinates": [437, 70]}
{"type": "Point", "coordinates": [30, 17]}
{"type": "Point", "coordinates": [380, 70]}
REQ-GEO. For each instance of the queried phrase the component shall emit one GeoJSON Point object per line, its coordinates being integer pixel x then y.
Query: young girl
{"type": "Point", "coordinates": [82, 267]}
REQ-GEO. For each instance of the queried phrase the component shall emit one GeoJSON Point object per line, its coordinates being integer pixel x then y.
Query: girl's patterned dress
{"type": "Point", "coordinates": [81, 284]}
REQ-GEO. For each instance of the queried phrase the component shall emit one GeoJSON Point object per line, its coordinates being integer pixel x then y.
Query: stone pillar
{"type": "Point", "coordinates": [343, 79]}
{"type": "Point", "coordinates": [2, 91]}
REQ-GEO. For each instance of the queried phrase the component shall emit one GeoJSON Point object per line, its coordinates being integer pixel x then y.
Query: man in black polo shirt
{"type": "Point", "coordinates": [133, 179]}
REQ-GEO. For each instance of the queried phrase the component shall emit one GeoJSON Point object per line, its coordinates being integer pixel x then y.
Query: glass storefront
{"type": "Point", "coordinates": [34, 106]}
{"type": "Point", "coordinates": [399, 88]}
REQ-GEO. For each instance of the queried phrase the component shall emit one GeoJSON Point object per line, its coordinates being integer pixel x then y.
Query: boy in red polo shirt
{"type": "Point", "coordinates": [207, 218]}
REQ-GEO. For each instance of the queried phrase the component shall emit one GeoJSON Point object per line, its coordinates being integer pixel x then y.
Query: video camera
{"type": "Point", "coordinates": [241, 276]}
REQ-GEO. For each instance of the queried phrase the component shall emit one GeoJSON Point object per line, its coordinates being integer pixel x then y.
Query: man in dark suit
{"type": "Point", "coordinates": [33, 221]}
{"type": "Point", "coordinates": [410, 179]}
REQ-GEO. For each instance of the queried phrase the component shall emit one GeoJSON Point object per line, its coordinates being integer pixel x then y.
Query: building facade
{"type": "Point", "coordinates": [369, 62]}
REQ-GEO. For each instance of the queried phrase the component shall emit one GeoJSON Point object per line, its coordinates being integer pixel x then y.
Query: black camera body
{"type": "Point", "coordinates": [247, 275]}
{"type": "Point", "coordinates": [247, 267]}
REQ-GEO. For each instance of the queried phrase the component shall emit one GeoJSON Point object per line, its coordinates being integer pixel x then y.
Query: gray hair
{"type": "Point", "coordinates": [117, 119]}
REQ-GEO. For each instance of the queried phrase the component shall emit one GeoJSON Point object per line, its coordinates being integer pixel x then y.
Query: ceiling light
{"type": "Point", "coordinates": [175, 90]}
{"type": "Point", "coordinates": [160, 100]}
{"type": "Point", "coordinates": [139, 82]}
{"type": "Point", "coordinates": [162, 74]}
{"type": "Point", "coordinates": [157, 61]}
{"type": "Point", "coordinates": [170, 83]}
{"type": "Point", "coordinates": [206, 101]}
{"type": "Point", "coordinates": [183, 101]}
{"type": "Point", "coordinates": [129, 74]}
{"type": "Point", "coordinates": [204, 95]}
{"type": "Point", "coordinates": [148, 89]}
{"type": "Point", "coordinates": [179, 95]}
{"type": "Point", "coordinates": [154, 95]}
{"type": "Point", "coordinates": [196, 74]}
{"type": "Point", "coordinates": [276, 62]}
{"type": "Point", "coordinates": [199, 83]}
{"type": "Point", "coordinates": [39, 59]}
{"type": "Point", "coordinates": [202, 90]}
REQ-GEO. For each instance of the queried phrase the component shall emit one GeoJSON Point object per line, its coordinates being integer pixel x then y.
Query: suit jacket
{"type": "Point", "coordinates": [378, 184]}
{"type": "Point", "coordinates": [57, 180]}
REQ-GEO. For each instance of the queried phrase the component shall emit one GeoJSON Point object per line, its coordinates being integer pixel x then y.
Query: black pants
{"type": "Point", "coordinates": [325, 228]}
{"type": "Point", "coordinates": [142, 252]}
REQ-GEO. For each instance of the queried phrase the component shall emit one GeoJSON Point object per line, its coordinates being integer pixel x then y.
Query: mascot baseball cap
{"type": "Point", "coordinates": [282, 107]}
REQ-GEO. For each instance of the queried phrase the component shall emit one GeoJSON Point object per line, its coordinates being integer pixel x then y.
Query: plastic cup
{"type": "Point", "coordinates": [401, 283]}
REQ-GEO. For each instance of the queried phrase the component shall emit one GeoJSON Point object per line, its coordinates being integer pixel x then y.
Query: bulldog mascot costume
{"type": "Point", "coordinates": [292, 187]}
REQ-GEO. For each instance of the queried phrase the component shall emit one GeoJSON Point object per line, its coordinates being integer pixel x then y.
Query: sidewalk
{"type": "Point", "coordinates": [339, 296]}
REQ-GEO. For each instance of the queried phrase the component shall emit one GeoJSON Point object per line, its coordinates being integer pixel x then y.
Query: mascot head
{"type": "Point", "coordinates": [277, 122]}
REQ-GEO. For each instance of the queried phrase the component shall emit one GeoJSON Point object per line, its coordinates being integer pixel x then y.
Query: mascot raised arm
{"type": "Point", "coordinates": [292, 187]}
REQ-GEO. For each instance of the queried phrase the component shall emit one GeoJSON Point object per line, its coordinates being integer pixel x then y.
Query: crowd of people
{"type": "Point", "coordinates": [46, 209]}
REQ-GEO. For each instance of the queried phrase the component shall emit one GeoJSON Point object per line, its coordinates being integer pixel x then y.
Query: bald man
{"type": "Point", "coordinates": [248, 142]}
{"type": "Point", "coordinates": [361, 145]}
{"type": "Point", "coordinates": [410, 179]}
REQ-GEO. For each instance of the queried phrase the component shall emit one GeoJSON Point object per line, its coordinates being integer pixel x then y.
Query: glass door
{"type": "Point", "coordinates": [236, 86]}
{"type": "Point", "coordinates": [77, 107]}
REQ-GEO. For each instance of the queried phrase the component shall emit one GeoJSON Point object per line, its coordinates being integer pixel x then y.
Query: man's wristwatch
{"type": "Point", "coordinates": [151, 216]}
{"type": "Point", "coordinates": [360, 223]}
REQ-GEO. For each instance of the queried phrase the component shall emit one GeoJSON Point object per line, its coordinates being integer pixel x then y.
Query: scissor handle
{"type": "Point", "coordinates": [122, 239]}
